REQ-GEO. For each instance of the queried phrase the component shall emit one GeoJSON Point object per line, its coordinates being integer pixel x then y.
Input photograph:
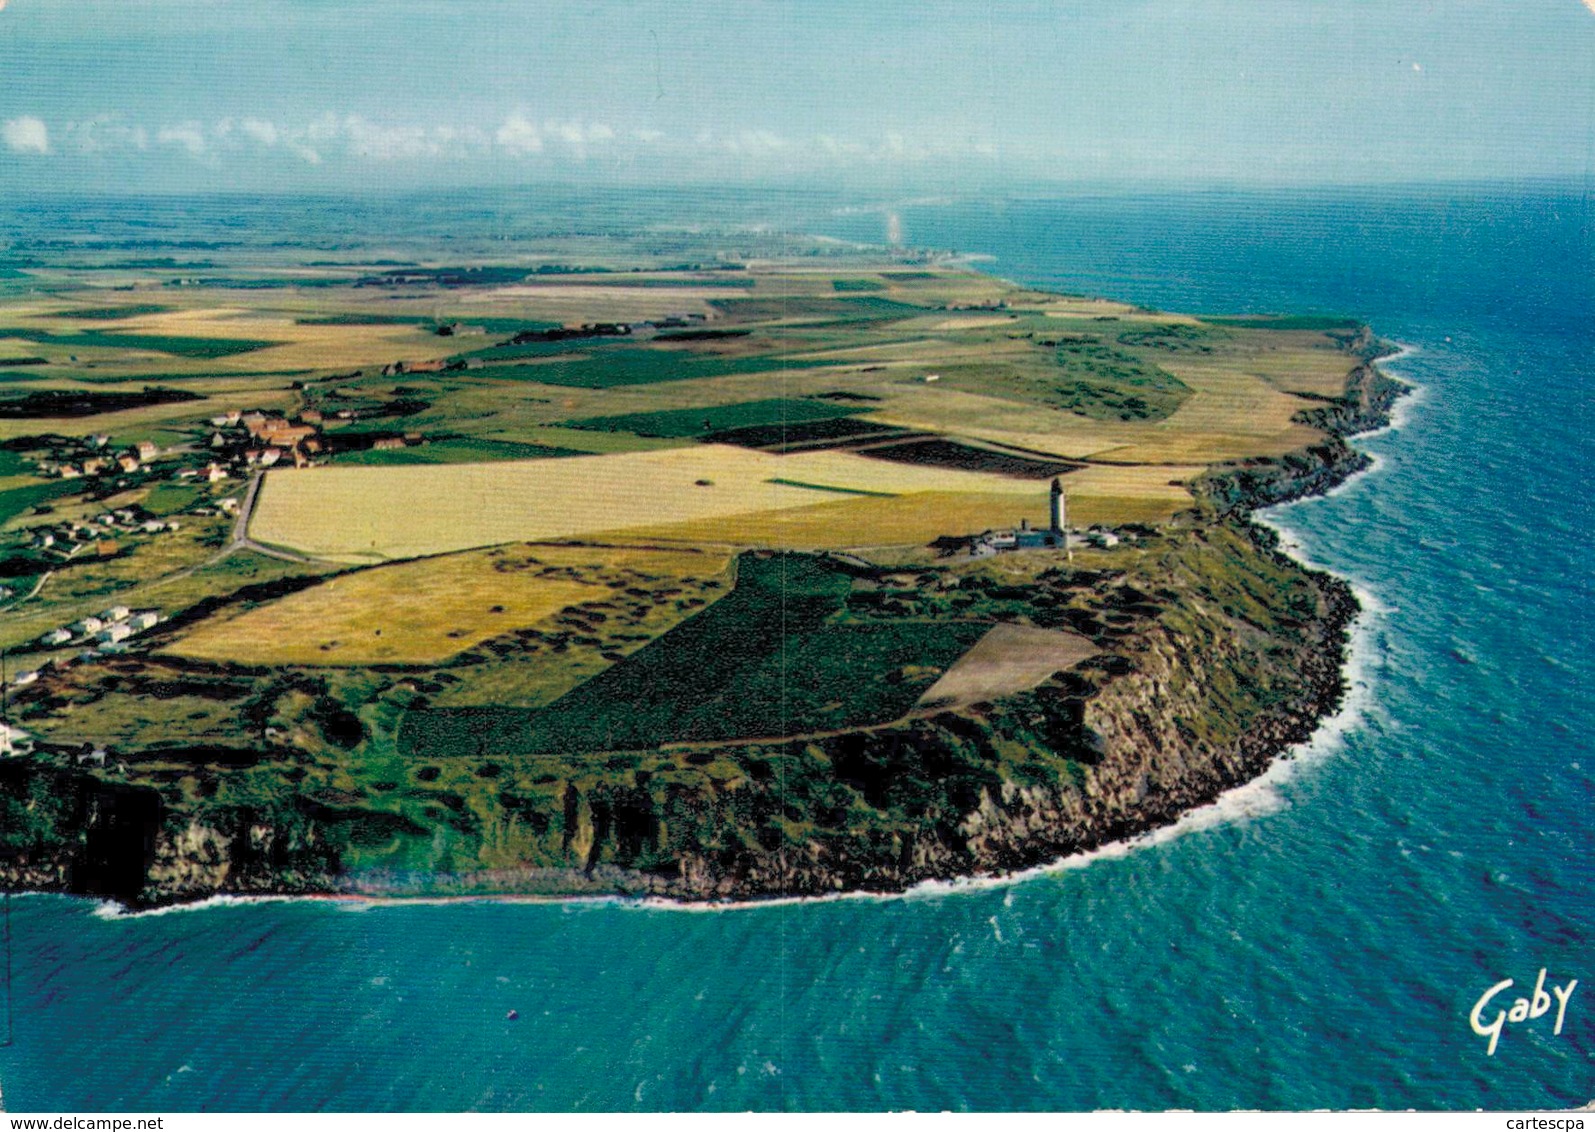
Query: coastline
{"type": "Point", "coordinates": [1007, 842]}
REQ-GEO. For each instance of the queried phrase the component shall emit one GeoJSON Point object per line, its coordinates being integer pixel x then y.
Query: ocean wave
{"type": "Point", "coordinates": [111, 910]}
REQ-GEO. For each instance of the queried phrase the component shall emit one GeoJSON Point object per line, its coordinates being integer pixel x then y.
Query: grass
{"type": "Point", "coordinates": [411, 613]}
{"type": "Point", "coordinates": [730, 672]}
{"type": "Point", "coordinates": [181, 346]}
{"type": "Point", "coordinates": [715, 418]}
{"type": "Point", "coordinates": [611, 367]}
{"type": "Point", "coordinates": [427, 611]}
{"type": "Point", "coordinates": [19, 500]}
{"type": "Point", "coordinates": [362, 318]}
{"type": "Point", "coordinates": [111, 314]}
{"type": "Point", "coordinates": [454, 450]}
{"type": "Point", "coordinates": [824, 308]}
{"type": "Point", "coordinates": [851, 285]}
{"type": "Point", "coordinates": [171, 498]}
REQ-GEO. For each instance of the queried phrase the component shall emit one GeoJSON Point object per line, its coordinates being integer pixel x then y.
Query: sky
{"type": "Point", "coordinates": [318, 95]}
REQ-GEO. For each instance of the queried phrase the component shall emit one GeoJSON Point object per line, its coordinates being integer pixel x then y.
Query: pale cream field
{"type": "Point", "coordinates": [427, 610]}
{"type": "Point", "coordinates": [1008, 659]}
{"type": "Point", "coordinates": [376, 513]}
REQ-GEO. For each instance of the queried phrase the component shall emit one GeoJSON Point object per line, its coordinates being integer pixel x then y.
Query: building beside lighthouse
{"type": "Point", "coordinates": [1026, 537]}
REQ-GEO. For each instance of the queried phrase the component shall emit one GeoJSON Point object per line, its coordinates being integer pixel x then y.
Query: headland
{"type": "Point", "coordinates": [729, 577]}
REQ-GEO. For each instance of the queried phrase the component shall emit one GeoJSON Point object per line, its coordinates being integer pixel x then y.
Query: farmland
{"type": "Point", "coordinates": [368, 513]}
{"type": "Point", "coordinates": [649, 554]}
{"type": "Point", "coordinates": [422, 611]}
{"type": "Point", "coordinates": [725, 674]}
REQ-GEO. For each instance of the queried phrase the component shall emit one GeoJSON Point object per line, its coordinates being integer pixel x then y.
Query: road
{"type": "Point", "coordinates": [241, 539]}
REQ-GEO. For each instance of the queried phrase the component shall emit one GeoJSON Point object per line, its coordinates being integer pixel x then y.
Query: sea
{"type": "Point", "coordinates": [1316, 939]}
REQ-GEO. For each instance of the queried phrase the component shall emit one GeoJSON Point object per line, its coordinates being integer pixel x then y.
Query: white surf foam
{"type": "Point", "coordinates": [1257, 798]}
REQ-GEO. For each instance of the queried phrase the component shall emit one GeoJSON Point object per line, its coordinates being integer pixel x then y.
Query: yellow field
{"type": "Point", "coordinates": [428, 610]}
{"type": "Point", "coordinates": [355, 513]}
{"type": "Point", "coordinates": [1111, 495]}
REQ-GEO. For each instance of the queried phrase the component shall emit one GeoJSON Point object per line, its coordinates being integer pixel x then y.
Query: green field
{"type": "Point", "coordinates": [20, 499]}
{"type": "Point", "coordinates": [635, 365]}
{"type": "Point", "coordinates": [835, 309]}
{"type": "Point", "coordinates": [170, 498]}
{"type": "Point", "coordinates": [109, 314]}
{"type": "Point", "coordinates": [697, 422]}
{"type": "Point", "coordinates": [373, 318]}
{"type": "Point", "coordinates": [768, 659]}
{"type": "Point", "coordinates": [454, 450]}
{"type": "Point", "coordinates": [184, 347]}
{"type": "Point", "coordinates": [360, 318]}
{"type": "Point", "coordinates": [510, 353]}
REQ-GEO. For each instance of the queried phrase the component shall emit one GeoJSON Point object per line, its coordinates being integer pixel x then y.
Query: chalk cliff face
{"type": "Point", "coordinates": [1197, 689]}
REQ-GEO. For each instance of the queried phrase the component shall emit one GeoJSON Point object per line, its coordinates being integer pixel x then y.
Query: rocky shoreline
{"type": "Point", "coordinates": [1128, 740]}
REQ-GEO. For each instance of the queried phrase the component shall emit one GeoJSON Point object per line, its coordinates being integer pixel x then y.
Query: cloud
{"type": "Point", "coordinates": [346, 139]}
{"type": "Point", "coordinates": [105, 134]}
{"type": "Point", "coordinates": [188, 135]}
{"type": "Point", "coordinates": [26, 135]}
{"type": "Point", "coordinates": [518, 136]}
{"type": "Point", "coordinates": [261, 131]}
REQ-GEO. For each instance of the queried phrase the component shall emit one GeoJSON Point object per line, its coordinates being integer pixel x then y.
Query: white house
{"type": "Point", "coordinates": [141, 621]}
{"type": "Point", "coordinates": [121, 631]}
{"type": "Point", "coordinates": [57, 637]}
{"type": "Point", "coordinates": [14, 741]}
{"type": "Point", "coordinates": [89, 625]}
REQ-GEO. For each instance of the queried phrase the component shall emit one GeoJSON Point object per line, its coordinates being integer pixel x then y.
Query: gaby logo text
{"type": "Point", "coordinates": [1536, 1006]}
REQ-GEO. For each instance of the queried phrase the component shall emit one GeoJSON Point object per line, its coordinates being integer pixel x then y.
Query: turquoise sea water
{"type": "Point", "coordinates": [1316, 940]}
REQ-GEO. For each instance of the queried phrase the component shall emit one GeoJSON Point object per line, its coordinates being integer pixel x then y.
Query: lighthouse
{"type": "Point", "coordinates": [1059, 514]}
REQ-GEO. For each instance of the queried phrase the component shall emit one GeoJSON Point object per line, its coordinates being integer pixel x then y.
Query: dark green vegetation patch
{"type": "Point", "coordinates": [455, 450]}
{"type": "Point", "coordinates": [842, 309]}
{"type": "Point", "coordinates": [839, 432]}
{"type": "Point", "coordinates": [717, 418]}
{"type": "Point", "coordinates": [109, 314]}
{"type": "Point", "coordinates": [20, 499]}
{"type": "Point", "coordinates": [934, 452]}
{"type": "Point", "coordinates": [360, 318]}
{"type": "Point", "coordinates": [44, 404]}
{"type": "Point", "coordinates": [634, 365]}
{"type": "Point", "coordinates": [1106, 383]}
{"type": "Point", "coordinates": [202, 348]}
{"type": "Point", "coordinates": [771, 658]}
